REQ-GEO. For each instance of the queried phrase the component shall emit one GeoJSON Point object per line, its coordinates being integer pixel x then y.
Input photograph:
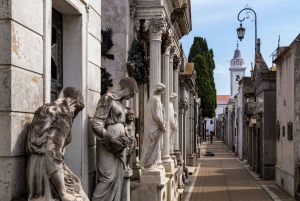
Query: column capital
{"type": "Point", "coordinates": [156, 27]}
{"type": "Point", "coordinates": [132, 10]}
{"type": "Point", "coordinates": [170, 43]}
{"type": "Point", "coordinates": [176, 62]}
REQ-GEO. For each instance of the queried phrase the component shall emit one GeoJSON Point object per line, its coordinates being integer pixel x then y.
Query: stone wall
{"type": "Point", "coordinates": [21, 91]}
{"type": "Point", "coordinates": [25, 71]}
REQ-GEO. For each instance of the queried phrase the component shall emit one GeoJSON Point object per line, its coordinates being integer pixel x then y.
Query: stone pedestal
{"type": "Point", "coordinates": [149, 191]}
{"type": "Point", "coordinates": [154, 176]}
{"type": "Point", "coordinates": [172, 185]}
{"type": "Point", "coordinates": [178, 155]}
{"type": "Point", "coordinates": [198, 152]}
{"type": "Point", "coordinates": [192, 160]}
{"type": "Point", "coordinates": [126, 186]}
{"type": "Point", "coordinates": [180, 176]}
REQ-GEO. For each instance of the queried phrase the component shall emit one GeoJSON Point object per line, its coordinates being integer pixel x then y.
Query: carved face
{"type": "Point", "coordinates": [160, 92]}
{"type": "Point", "coordinates": [73, 98]}
{"type": "Point", "coordinates": [130, 116]}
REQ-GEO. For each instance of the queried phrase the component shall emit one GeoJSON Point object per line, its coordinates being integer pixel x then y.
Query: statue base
{"type": "Point", "coordinates": [168, 189]}
{"type": "Point", "coordinates": [155, 176]}
{"type": "Point", "coordinates": [169, 165]}
{"type": "Point", "coordinates": [178, 155]}
{"type": "Point", "coordinates": [192, 160]}
{"type": "Point", "coordinates": [126, 185]}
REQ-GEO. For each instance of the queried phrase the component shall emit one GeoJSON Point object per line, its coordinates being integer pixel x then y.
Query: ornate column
{"type": "Point", "coordinates": [168, 163]}
{"type": "Point", "coordinates": [176, 64]}
{"type": "Point", "coordinates": [171, 90]}
{"type": "Point", "coordinates": [156, 28]}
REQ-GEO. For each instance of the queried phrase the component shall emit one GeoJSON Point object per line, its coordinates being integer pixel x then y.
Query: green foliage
{"type": "Point", "coordinates": [204, 64]}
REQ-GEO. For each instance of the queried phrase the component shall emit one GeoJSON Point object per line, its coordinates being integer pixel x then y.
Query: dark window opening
{"type": "Point", "coordinates": [56, 55]}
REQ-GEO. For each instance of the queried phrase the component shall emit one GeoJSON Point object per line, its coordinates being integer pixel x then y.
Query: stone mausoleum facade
{"type": "Point", "coordinates": [51, 44]}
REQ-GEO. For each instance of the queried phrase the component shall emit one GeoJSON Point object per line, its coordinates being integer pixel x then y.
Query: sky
{"type": "Point", "coordinates": [216, 20]}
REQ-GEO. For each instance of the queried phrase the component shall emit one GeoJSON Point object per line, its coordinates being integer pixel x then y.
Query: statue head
{"type": "Point", "coordinates": [159, 88]}
{"type": "Point", "coordinates": [126, 89]}
{"type": "Point", "coordinates": [173, 97]}
{"type": "Point", "coordinates": [129, 114]}
{"type": "Point", "coordinates": [72, 98]}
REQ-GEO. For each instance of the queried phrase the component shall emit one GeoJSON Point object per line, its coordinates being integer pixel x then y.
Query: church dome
{"type": "Point", "coordinates": [237, 54]}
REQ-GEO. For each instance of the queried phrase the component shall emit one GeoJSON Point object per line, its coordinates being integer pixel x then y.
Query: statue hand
{"type": "Point", "coordinates": [68, 197]}
{"type": "Point", "coordinates": [116, 144]}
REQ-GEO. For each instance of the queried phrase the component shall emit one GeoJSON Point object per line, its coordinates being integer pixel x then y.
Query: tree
{"type": "Point", "coordinates": [204, 65]}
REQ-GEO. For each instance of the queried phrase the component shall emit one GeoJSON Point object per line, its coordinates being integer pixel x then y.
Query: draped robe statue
{"type": "Point", "coordinates": [48, 177]}
{"type": "Point", "coordinates": [154, 129]}
{"type": "Point", "coordinates": [112, 141]}
{"type": "Point", "coordinates": [172, 120]}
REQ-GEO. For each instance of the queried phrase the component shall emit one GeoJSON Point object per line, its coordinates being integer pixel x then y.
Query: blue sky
{"type": "Point", "coordinates": [216, 20]}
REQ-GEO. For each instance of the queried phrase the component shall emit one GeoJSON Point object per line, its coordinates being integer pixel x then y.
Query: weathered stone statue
{"type": "Point", "coordinates": [109, 129]}
{"type": "Point", "coordinates": [48, 177]}
{"type": "Point", "coordinates": [172, 119]}
{"type": "Point", "coordinates": [130, 133]}
{"type": "Point", "coordinates": [154, 129]}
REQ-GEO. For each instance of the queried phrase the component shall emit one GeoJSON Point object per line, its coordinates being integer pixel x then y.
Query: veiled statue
{"type": "Point", "coordinates": [112, 141]}
{"type": "Point", "coordinates": [48, 177]}
{"type": "Point", "coordinates": [130, 133]}
{"type": "Point", "coordinates": [154, 129]}
{"type": "Point", "coordinates": [172, 120]}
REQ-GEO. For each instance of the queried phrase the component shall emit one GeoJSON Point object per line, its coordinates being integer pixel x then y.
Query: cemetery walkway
{"type": "Point", "coordinates": [223, 178]}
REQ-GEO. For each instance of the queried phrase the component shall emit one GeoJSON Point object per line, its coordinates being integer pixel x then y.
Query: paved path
{"type": "Point", "coordinates": [223, 178]}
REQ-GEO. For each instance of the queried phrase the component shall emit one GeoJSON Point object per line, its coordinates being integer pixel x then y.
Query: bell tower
{"type": "Point", "coordinates": [237, 71]}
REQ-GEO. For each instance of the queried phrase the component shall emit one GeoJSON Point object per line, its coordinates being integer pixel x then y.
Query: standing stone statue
{"type": "Point", "coordinates": [48, 177]}
{"type": "Point", "coordinates": [173, 122]}
{"type": "Point", "coordinates": [154, 129]}
{"type": "Point", "coordinates": [130, 133]}
{"type": "Point", "coordinates": [109, 129]}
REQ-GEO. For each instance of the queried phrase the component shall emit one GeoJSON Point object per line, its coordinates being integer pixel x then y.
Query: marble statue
{"type": "Point", "coordinates": [154, 129]}
{"type": "Point", "coordinates": [130, 133]}
{"type": "Point", "coordinates": [109, 129]}
{"type": "Point", "coordinates": [48, 177]}
{"type": "Point", "coordinates": [172, 120]}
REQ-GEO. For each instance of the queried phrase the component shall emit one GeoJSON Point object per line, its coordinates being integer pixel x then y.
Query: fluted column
{"type": "Point", "coordinates": [166, 158]}
{"type": "Point", "coordinates": [156, 28]}
{"type": "Point", "coordinates": [176, 64]}
{"type": "Point", "coordinates": [170, 73]}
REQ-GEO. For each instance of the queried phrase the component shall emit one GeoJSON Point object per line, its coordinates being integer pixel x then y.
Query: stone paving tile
{"type": "Point", "coordinates": [223, 178]}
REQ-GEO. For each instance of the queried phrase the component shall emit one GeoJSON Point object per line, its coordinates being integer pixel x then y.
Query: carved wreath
{"type": "Point", "coordinates": [105, 81]}
{"type": "Point", "coordinates": [107, 43]}
{"type": "Point", "coordinates": [138, 64]}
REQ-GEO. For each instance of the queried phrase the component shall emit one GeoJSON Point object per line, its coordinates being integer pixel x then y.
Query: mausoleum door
{"type": "Point", "coordinates": [56, 55]}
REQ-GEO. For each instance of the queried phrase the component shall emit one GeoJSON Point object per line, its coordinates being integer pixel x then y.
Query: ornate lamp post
{"type": "Point", "coordinates": [241, 29]}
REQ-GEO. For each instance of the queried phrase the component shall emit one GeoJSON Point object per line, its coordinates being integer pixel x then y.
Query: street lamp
{"type": "Point", "coordinates": [241, 32]}
{"type": "Point", "coordinates": [241, 29]}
